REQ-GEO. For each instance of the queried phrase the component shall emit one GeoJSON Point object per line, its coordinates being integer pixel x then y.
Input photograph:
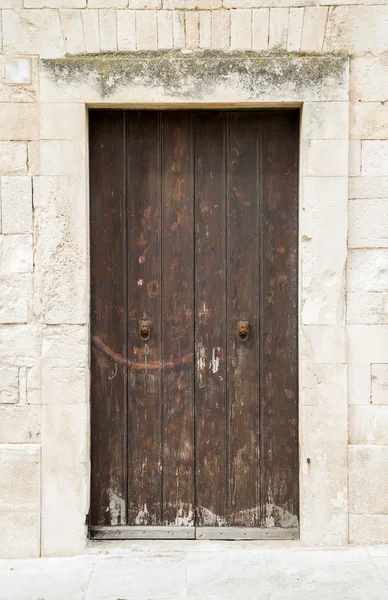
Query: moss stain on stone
{"type": "Point", "coordinates": [192, 74]}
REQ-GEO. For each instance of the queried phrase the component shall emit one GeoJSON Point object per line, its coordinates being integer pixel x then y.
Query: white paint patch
{"type": "Point", "coordinates": [211, 519]}
{"type": "Point", "coordinates": [276, 516]}
{"type": "Point", "coordinates": [184, 516]}
{"type": "Point", "coordinates": [116, 508]}
{"type": "Point", "coordinates": [140, 282]}
{"type": "Point", "coordinates": [142, 516]}
{"type": "Point", "coordinates": [215, 361]}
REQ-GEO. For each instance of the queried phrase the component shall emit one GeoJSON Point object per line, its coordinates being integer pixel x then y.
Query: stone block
{"type": "Point", "coordinates": [20, 345]}
{"type": "Point", "coordinates": [192, 4]}
{"type": "Point", "coordinates": [192, 29]}
{"type": "Point", "coordinates": [108, 30]}
{"type": "Point", "coordinates": [369, 308]}
{"type": "Point", "coordinates": [368, 187]}
{"type": "Point", "coordinates": [61, 288]}
{"type": "Point", "coordinates": [15, 254]}
{"type": "Point", "coordinates": [368, 529]}
{"type": "Point", "coordinates": [368, 226]}
{"type": "Point", "coordinates": [65, 473]}
{"type": "Point", "coordinates": [359, 383]}
{"type": "Point", "coordinates": [23, 385]}
{"type": "Point", "coordinates": [165, 34]}
{"type": "Point", "coordinates": [18, 70]}
{"type": "Point", "coordinates": [323, 250]}
{"type": "Point", "coordinates": [323, 384]}
{"type": "Point", "coordinates": [322, 344]}
{"type": "Point", "coordinates": [367, 344]}
{"type": "Point", "coordinates": [144, 4]}
{"type": "Point", "coordinates": [55, 4]}
{"type": "Point", "coordinates": [369, 78]}
{"type": "Point", "coordinates": [368, 425]}
{"type": "Point", "coordinates": [15, 298]}
{"type": "Point", "coordinates": [146, 30]}
{"type": "Point", "coordinates": [314, 25]}
{"type": "Point", "coordinates": [178, 28]}
{"type": "Point", "coordinates": [324, 158]}
{"type": "Point", "coordinates": [354, 158]}
{"type": "Point", "coordinates": [325, 120]}
{"type": "Point", "coordinates": [20, 424]}
{"type": "Point", "coordinates": [19, 476]}
{"type": "Point", "coordinates": [16, 204]}
{"type": "Point", "coordinates": [72, 30]}
{"type": "Point", "coordinates": [278, 28]}
{"type": "Point", "coordinates": [220, 29]}
{"type": "Point", "coordinates": [379, 384]}
{"type": "Point", "coordinates": [33, 158]}
{"type": "Point", "coordinates": [260, 28]}
{"type": "Point", "coordinates": [34, 384]}
{"type": "Point", "coordinates": [295, 28]}
{"type": "Point", "coordinates": [374, 158]}
{"type": "Point", "coordinates": [20, 534]}
{"type": "Point", "coordinates": [369, 120]}
{"type": "Point", "coordinates": [63, 385]}
{"type": "Point", "coordinates": [62, 121]}
{"type": "Point", "coordinates": [9, 384]}
{"type": "Point", "coordinates": [62, 157]}
{"type": "Point", "coordinates": [368, 477]}
{"type": "Point", "coordinates": [368, 270]}
{"type": "Point", "coordinates": [324, 485]}
{"type": "Point", "coordinates": [126, 30]}
{"type": "Point", "coordinates": [241, 29]}
{"type": "Point", "coordinates": [91, 29]}
{"type": "Point", "coordinates": [205, 29]}
{"type": "Point", "coordinates": [13, 158]}
{"type": "Point", "coordinates": [357, 30]}
{"type": "Point", "coordinates": [108, 4]}
{"type": "Point", "coordinates": [65, 346]}
{"type": "Point", "coordinates": [33, 32]}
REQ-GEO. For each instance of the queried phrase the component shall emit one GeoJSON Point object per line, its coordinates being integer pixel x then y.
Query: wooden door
{"type": "Point", "coordinates": [194, 324]}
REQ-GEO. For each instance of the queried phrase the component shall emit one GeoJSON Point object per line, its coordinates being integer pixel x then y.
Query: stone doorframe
{"type": "Point", "coordinates": [169, 79]}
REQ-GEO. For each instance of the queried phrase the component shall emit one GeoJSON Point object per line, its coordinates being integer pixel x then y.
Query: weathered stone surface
{"type": "Point", "coordinates": [368, 187]}
{"type": "Point", "coordinates": [62, 121]}
{"type": "Point", "coordinates": [205, 29]}
{"type": "Point", "coordinates": [368, 224]}
{"type": "Point", "coordinates": [357, 30]}
{"type": "Point", "coordinates": [374, 158]}
{"type": "Point", "coordinates": [379, 384]}
{"type": "Point", "coordinates": [146, 30]}
{"type": "Point", "coordinates": [368, 529]}
{"type": "Point", "coordinates": [314, 25]}
{"type": "Point", "coordinates": [13, 158]}
{"type": "Point", "coordinates": [18, 70]}
{"type": "Point", "coordinates": [15, 298]}
{"type": "Point", "coordinates": [178, 28]}
{"type": "Point", "coordinates": [322, 384]}
{"type": "Point", "coordinates": [325, 120]}
{"type": "Point", "coordinates": [33, 32]}
{"type": "Point", "coordinates": [108, 30]}
{"type": "Point", "coordinates": [368, 425]}
{"type": "Point", "coordinates": [91, 30]}
{"type": "Point", "coordinates": [278, 28]}
{"type": "Point", "coordinates": [323, 250]}
{"type": "Point", "coordinates": [368, 270]}
{"type": "Point", "coordinates": [220, 29]}
{"type": "Point", "coordinates": [16, 205]}
{"type": "Point", "coordinates": [295, 28]}
{"type": "Point", "coordinates": [369, 120]}
{"type": "Point", "coordinates": [62, 157]}
{"type": "Point", "coordinates": [165, 33]}
{"type": "Point", "coordinates": [324, 158]}
{"type": "Point", "coordinates": [20, 424]}
{"type": "Point", "coordinates": [64, 479]}
{"type": "Point", "coordinates": [20, 345]}
{"type": "Point", "coordinates": [9, 384]}
{"type": "Point", "coordinates": [19, 121]}
{"type": "Point", "coordinates": [20, 534]}
{"type": "Point", "coordinates": [33, 158]}
{"type": "Point", "coordinates": [15, 254]}
{"type": "Point", "coordinates": [63, 385]}
{"type": "Point", "coordinates": [64, 346]}
{"type": "Point", "coordinates": [61, 287]}
{"type": "Point", "coordinates": [126, 30]}
{"type": "Point", "coordinates": [369, 308]}
{"type": "Point", "coordinates": [192, 30]}
{"type": "Point", "coordinates": [354, 158]}
{"type": "Point", "coordinates": [19, 476]}
{"type": "Point", "coordinates": [241, 29]}
{"type": "Point", "coordinates": [359, 383]}
{"type": "Point", "coordinates": [72, 30]}
{"type": "Point", "coordinates": [368, 475]}
{"type": "Point", "coordinates": [260, 28]}
{"type": "Point", "coordinates": [322, 344]}
{"type": "Point", "coordinates": [367, 344]}
{"type": "Point", "coordinates": [369, 78]}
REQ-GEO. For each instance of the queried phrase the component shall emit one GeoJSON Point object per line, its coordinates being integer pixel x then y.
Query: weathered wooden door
{"type": "Point", "coordinates": [194, 389]}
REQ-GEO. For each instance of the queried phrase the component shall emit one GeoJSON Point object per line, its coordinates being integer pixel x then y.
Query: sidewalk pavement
{"type": "Point", "coordinates": [206, 570]}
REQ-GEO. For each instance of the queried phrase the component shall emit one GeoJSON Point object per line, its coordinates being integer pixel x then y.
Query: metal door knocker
{"type": "Point", "coordinates": [145, 329]}
{"type": "Point", "coordinates": [243, 330]}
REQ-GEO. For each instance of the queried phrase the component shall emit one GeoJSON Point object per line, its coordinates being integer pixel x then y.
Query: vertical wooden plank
{"type": "Point", "coordinates": [144, 289]}
{"type": "Point", "coordinates": [178, 319]}
{"type": "Point", "coordinates": [242, 296]}
{"type": "Point", "coordinates": [108, 318]}
{"type": "Point", "coordinates": [279, 319]}
{"type": "Point", "coordinates": [210, 307]}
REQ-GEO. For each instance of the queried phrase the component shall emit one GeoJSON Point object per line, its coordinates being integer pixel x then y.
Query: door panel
{"type": "Point", "coordinates": [194, 285]}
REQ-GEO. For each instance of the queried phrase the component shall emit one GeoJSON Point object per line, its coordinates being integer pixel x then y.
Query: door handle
{"type": "Point", "coordinates": [145, 327]}
{"type": "Point", "coordinates": [243, 330]}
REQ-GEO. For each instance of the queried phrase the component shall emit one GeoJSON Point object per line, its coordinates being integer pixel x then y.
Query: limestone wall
{"type": "Point", "coordinates": [44, 239]}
